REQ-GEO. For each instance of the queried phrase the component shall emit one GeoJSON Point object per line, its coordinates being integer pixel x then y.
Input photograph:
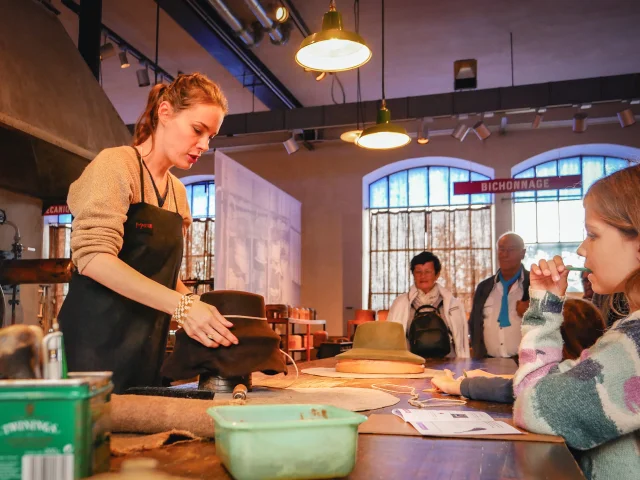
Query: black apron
{"type": "Point", "coordinates": [104, 330]}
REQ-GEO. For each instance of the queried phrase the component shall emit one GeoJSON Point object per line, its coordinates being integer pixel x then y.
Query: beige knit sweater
{"type": "Point", "coordinates": [100, 199]}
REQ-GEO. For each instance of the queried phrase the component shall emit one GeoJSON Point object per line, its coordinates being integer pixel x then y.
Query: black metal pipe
{"type": "Point", "coordinates": [275, 33]}
{"type": "Point", "coordinates": [203, 23]}
{"type": "Point", "coordinates": [223, 10]}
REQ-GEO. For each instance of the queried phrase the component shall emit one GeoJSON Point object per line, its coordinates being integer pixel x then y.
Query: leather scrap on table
{"type": "Point", "coordinates": [126, 444]}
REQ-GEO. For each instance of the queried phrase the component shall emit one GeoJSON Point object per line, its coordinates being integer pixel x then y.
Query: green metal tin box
{"type": "Point", "coordinates": [55, 429]}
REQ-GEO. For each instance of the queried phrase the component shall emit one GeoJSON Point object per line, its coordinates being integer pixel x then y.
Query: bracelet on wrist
{"type": "Point", "coordinates": [184, 305]}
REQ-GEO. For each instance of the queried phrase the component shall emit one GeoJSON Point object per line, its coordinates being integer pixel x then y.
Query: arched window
{"type": "Point", "coordinates": [413, 210]}
{"type": "Point", "coordinates": [199, 247]}
{"type": "Point", "coordinates": [429, 186]}
{"type": "Point", "coordinates": [551, 222]}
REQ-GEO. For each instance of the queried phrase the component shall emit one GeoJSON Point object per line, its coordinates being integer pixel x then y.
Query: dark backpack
{"type": "Point", "coordinates": [428, 334]}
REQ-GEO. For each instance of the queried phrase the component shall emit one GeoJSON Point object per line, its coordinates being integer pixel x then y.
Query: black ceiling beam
{"type": "Point", "coordinates": [570, 92]}
{"type": "Point", "coordinates": [89, 33]}
{"type": "Point", "coordinates": [204, 24]}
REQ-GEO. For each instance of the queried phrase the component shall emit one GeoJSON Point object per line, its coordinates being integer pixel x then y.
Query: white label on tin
{"type": "Point", "coordinates": [30, 426]}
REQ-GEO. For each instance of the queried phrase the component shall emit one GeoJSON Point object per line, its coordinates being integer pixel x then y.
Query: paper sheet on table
{"type": "Point", "coordinates": [448, 423]}
{"type": "Point", "coordinates": [387, 424]}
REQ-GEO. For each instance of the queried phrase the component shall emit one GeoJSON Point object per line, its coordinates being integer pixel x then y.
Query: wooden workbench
{"type": "Point", "coordinates": [399, 457]}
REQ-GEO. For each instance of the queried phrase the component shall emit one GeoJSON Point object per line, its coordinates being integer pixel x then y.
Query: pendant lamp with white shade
{"type": "Point", "coordinates": [383, 135]}
{"type": "Point", "coordinates": [333, 49]}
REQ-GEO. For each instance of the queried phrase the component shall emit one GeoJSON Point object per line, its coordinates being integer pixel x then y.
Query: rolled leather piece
{"type": "Point", "coordinates": [258, 348]}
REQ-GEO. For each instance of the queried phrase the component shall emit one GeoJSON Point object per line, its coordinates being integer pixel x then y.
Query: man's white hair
{"type": "Point", "coordinates": [514, 235]}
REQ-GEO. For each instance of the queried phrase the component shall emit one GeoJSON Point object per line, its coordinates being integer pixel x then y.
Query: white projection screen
{"type": "Point", "coordinates": [258, 226]}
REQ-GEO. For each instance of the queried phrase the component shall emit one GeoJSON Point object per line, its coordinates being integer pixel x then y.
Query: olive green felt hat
{"type": "Point", "coordinates": [380, 341]}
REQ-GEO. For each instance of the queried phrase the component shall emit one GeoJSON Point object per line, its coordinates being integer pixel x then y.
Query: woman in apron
{"type": "Point", "coordinates": [130, 214]}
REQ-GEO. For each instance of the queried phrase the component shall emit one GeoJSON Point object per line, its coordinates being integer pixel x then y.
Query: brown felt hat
{"type": "Point", "coordinates": [258, 348]}
{"type": "Point", "coordinates": [380, 341]}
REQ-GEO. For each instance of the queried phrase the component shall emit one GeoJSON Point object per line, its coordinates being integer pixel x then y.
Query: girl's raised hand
{"type": "Point", "coordinates": [550, 275]}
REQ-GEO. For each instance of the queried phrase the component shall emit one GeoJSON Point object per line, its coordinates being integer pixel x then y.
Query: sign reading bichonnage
{"type": "Point", "coordinates": [509, 185]}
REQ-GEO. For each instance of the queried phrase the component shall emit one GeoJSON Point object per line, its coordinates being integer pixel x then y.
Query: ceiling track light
{"type": "Point", "coordinates": [291, 145]}
{"type": "Point", "coordinates": [317, 75]}
{"type": "Point", "coordinates": [503, 125]}
{"type": "Point", "coordinates": [333, 49]}
{"type": "Point", "coordinates": [124, 61]}
{"type": "Point", "coordinates": [626, 118]}
{"type": "Point", "coordinates": [460, 132]}
{"type": "Point", "coordinates": [580, 122]}
{"type": "Point", "coordinates": [107, 51]}
{"type": "Point", "coordinates": [130, 50]}
{"type": "Point", "coordinates": [281, 13]}
{"type": "Point", "coordinates": [537, 120]}
{"type": "Point", "coordinates": [143, 77]}
{"type": "Point", "coordinates": [423, 132]}
{"type": "Point", "coordinates": [482, 131]}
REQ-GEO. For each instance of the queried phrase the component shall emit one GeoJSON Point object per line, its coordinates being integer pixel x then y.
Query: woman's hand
{"type": "Point", "coordinates": [205, 324]}
{"type": "Point", "coordinates": [550, 276]}
{"type": "Point", "coordinates": [446, 383]}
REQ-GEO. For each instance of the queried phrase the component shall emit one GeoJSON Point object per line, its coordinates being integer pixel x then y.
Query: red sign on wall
{"type": "Point", "coordinates": [508, 185]}
{"type": "Point", "coordinates": [57, 210]}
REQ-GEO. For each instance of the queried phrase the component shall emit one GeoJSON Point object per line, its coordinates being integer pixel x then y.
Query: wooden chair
{"type": "Point", "coordinates": [362, 316]}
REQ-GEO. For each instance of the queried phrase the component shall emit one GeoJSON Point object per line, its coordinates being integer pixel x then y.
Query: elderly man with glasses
{"type": "Point", "coordinates": [500, 302]}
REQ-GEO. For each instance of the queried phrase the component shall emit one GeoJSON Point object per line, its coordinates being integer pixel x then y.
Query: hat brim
{"type": "Point", "coordinates": [377, 354]}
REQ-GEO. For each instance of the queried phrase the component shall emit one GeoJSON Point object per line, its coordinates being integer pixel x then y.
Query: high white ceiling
{"type": "Point", "coordinates": [552, 40]}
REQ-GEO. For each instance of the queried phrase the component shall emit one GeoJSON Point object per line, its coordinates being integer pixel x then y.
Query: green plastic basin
{"type": "Point", "coordinates": [286, 441]}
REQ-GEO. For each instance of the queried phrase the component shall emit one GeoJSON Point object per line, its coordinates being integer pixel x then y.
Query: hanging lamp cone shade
{"type": "Point", "coordinates": [384, 135]}
{"type": "Point", "coordinates": [333, 49]}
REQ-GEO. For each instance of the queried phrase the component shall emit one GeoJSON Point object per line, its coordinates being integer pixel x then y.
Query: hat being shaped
{"type": "Point", "coordinates": [258, 348]}
{"type": "Point", "coordinates": [380, 341]}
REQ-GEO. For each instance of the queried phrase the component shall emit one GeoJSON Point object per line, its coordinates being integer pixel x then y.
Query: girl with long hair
{"type": "Point", "coordinates": [593, 401]}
